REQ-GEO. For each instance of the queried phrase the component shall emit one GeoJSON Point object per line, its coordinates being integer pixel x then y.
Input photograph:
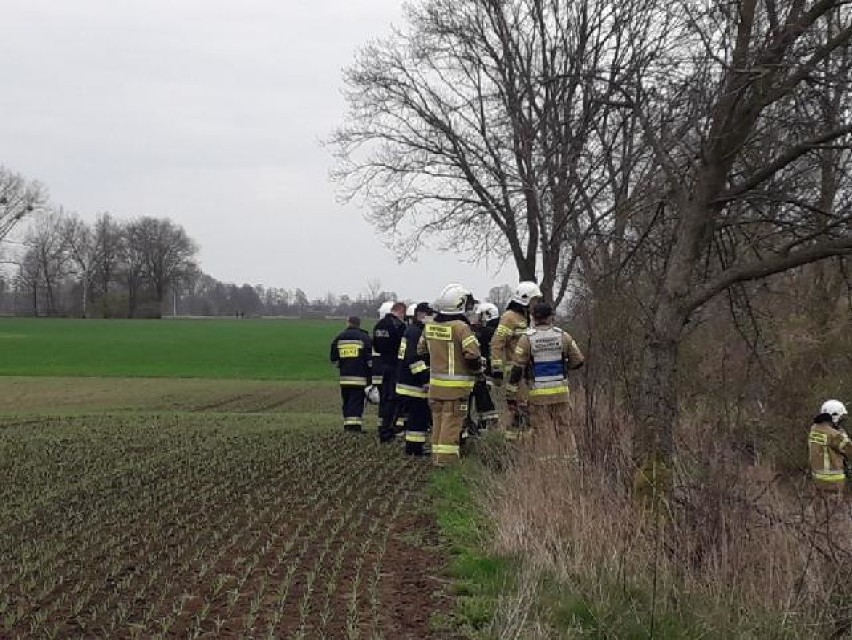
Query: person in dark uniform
{"type": "Point", "coordinates": [387, 336]}
{"type": "Point", "coordinates": [411, 385]}
{"type": "Point", "coordinates": [352, 351]}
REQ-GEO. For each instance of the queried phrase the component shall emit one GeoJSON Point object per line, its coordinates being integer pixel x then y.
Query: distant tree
{"type": "Point", "coordinates": [82, 247]}
{"type": "Point", "coordinates": [301, 301]}
{"type": "Point", "coordinates": [19, 197]}
{"type": "Point", "coordinates": [133, 264]}
{"type": "Point", "coordinates": [166, 250]}
{"type": "Point", "coordinates": [46, 254]}
{"type": "Point", "coordinates": [109, 241]}
{"type": "Point", "coordinates": [500, 295]}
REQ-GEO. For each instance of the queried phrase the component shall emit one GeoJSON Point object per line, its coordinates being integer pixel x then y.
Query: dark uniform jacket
{"type": "Point", "coordinates": [413, 372]}
{"type": "Point", "coordinates": [352, 352]}
{"type": "Point", "coordinates": [484, 334]}
{"type": "Point", "coordinates": [387, 336]}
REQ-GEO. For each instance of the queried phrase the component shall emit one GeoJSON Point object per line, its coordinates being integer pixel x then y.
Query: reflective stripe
{"type": "Point", "coordinates": [446, 449]}
{"type": "Point", "coordinates": [400, 422]}
{"type": "Point", "coordinates": [512, 388]}
{"type": "Point", "coordinates": [441, 332]}
{"type": "Point", "coordinates": [829, 476]}
{"type": "Point", "coordinates": [503, 330]}
{"type": "Point", "coordinates": [415, 436]}
{"type": "Point", "coordinates": [360, 343]}
{"type": "Point", "coordinates": [411, 391]}
{"type": "Point", "coordinates": [377, 380]}
{"type": "Point", "coordinates": [550, 391]}
{"type": "Point", "coordinates": [418, 367]}
{"type": "Point", "coordinates": [818, 438]}
{"type": "Point", "coordinates": [353, 381]}
{"type": "Point", "coordinates": [352, 421]}
{"type": "Point", "coordinates": [452, 382]}
{"type": "Point", "coordinates": [469, 341]}
{"type": "Point", "coordinates": [496, 364]}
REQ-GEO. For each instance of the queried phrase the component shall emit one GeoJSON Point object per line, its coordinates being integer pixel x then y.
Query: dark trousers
{"type": "Point", "coordinates": [388, 405]}
{"type": "Point", "coordinates": [481, 407]}
{"type": "Point", "coordinates": [353, 407]}
{"type": "Point", "coordinates": [418, 420]}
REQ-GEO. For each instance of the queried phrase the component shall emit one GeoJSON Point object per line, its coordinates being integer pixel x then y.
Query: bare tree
{"type": "Point", "coordinates": [165, 250]}
{"type": "Point", "coordinates": [747, 116]}
{"type": "Point", "coordinates": [108, 254]}
{"type": "Point", "coordinates": [500, 296]}
{"type": "Point", "coordinates": [46, 258]}
{"type": "Point", "coordinates": [483, 124]}
{"type": "Point", "coordinates": [18, 198]}
{"type": "Point", "coordinates": [81, 244]}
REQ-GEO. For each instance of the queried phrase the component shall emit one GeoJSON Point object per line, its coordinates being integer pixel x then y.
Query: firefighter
{"type": "Point", "coordinates": [410, 311]}
{"type": "Point", "coordinates": [489, 317]}
{"type": "Point", "coordinates": [455, 364]}
{"type": "Point", "coordinates": [387, 336]}
{"type": "Point", "coordinates": [412, 383]}
{"type": "Point", "coordinates": [544, 355]}
{"type": "Point", "coordinates": [351, 352]}
{"type": "Point", "coordinates": [483, 412]}
{"type": "Point", "coordinates": [828, 446]}
{"type": "Point", "coordinates": [513, 324]}
{"type": "Point", "coordinates": [378, 368]}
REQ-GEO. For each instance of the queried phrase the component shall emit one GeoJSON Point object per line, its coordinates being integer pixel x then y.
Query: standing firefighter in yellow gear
{"type": "Point", "coordinates": [513, 324]}
{"type": "Point", "coordinates": [828, 444]}
{"type": "Point", "coordinates": [455, 365]}
{"type": "Point", "coordinates": [543, 356]}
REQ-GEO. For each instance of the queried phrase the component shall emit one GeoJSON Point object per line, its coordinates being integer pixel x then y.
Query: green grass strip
{"type": "Point", "coordinates": [479, 577]}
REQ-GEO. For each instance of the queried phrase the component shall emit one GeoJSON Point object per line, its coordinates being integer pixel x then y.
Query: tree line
{"type": "Point", "coordinates": [141, 268]}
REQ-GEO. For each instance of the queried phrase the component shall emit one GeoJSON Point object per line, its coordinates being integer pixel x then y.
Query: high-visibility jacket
{"type": "Point", "coordinates": [513, 324]}
{"type": "Point", "coordinates": [453, 356]}
{"type": "Point", "coordinates": [827, 447]}
{"type": "Point", "coordinates": [413, 373]}
{"type": "Point", "coordinates": [351, 351]}
{"type": "Point", "coordinates": [543, 356]}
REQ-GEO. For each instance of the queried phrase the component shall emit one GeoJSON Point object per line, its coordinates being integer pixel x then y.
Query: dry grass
{"type": "Point", "coordinates": [740, 550]}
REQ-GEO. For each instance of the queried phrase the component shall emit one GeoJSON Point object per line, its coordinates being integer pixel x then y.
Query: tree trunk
{"type": "Point", "coordinates": [131, 300]}
{"type": "Point", "coordinates": [653, 441]}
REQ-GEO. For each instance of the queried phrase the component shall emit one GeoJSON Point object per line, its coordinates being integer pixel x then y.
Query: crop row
{"type": "Point", "coordinates": [194, 526]}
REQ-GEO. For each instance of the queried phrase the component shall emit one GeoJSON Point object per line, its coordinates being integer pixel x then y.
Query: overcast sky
{"type": "Point", "coordinates": [209, 112]}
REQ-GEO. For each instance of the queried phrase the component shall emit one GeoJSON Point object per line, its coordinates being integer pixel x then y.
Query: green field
{"type": "Point", "coordinates": [191, 479]}
{"type": "Point", "coordinates": [230, 349]}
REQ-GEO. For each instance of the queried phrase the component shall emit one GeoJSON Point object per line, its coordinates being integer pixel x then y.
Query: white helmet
{"type": "Point", "coordinates": [834, 408]}
{"type": "Point", "coordinates": [455, 299]}
{"type": "Point", "coordinates": [385, 309]}
{"type": "Point", "coordinates": [372, 394]}
{"type": "Point", "coordinates": [409, 313]}
{"type": "Point", "coordinates": [525, 292]}
{"type": "Point", "coordinates": [487, 311]}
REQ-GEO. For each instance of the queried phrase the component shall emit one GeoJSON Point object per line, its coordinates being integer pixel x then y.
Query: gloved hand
{"type": "Point", "coordinates": [512, 403]}
{"type": "Point", "coordinates": [497, 375]}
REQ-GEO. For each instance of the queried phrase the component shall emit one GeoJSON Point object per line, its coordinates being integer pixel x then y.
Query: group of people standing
{"type": "Point", "coordinates": [441, 366]}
